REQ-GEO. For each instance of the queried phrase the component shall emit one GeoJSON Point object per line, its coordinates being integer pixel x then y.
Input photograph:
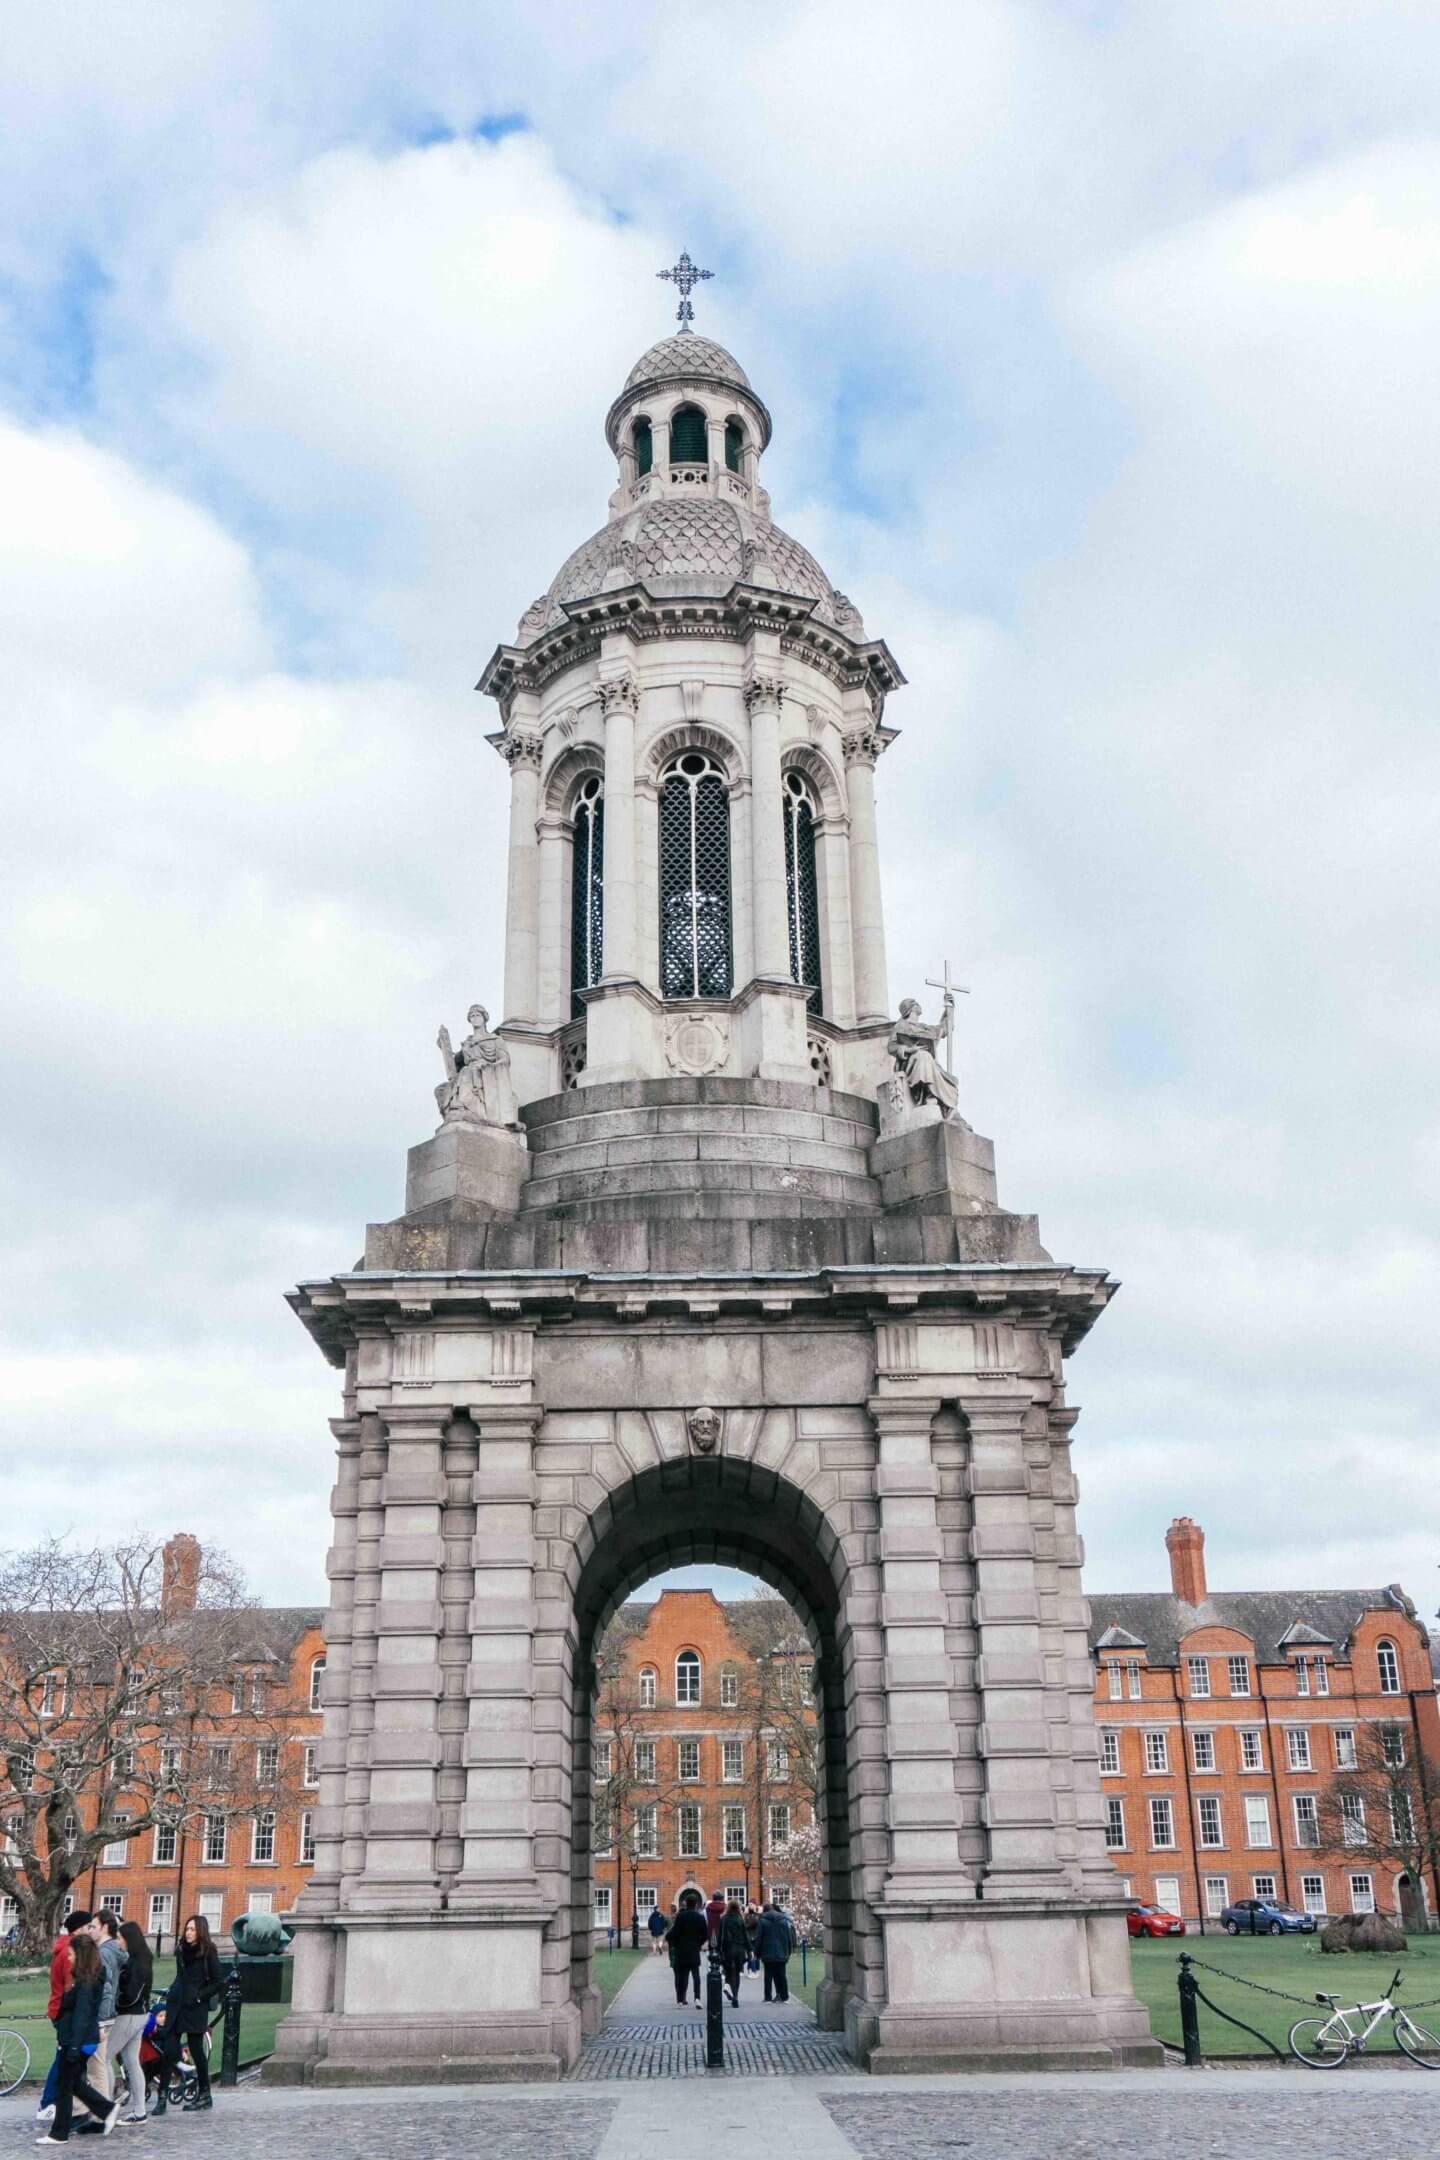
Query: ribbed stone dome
{"type": "Point", "coordinates": [686, 355]}
{"type": "Point", "coordinates": [693, 544]}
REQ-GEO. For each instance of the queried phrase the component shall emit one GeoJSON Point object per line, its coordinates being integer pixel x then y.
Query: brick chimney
{"type": "Point", "coordinates": [180, 1583]}
{"type": "Point", "coordinates": [1185, 1543]}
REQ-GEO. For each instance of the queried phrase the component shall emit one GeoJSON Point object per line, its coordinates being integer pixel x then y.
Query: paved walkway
{"type": "Point", "coordinates": [647, 2034]}
{"type": "Point", "coordinates": [1186, 2115]}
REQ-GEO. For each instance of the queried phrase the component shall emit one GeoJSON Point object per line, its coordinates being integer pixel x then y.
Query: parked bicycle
{"type": "Point", "coordinates": [14, 2058]}
{"type": "Point", "coordinates": [1325, 2043]}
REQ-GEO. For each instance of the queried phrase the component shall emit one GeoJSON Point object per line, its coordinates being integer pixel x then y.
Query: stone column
{"type": "Point", "coordinates": [620, 702]}
{"type": "Point", "coordinates": [497, 1822]}
{"type": "Point", "coordinates": [921, 1742]}
{"type": "Point", "coordinates": [521, 750]}
{"type": "Point", "coordinates": [322, 1891]}
{"type": "Point", "coordinates": [1015, 1736]}
{"type": "Point", "coordinates": [872, 997]}
{"type": "Point", "coordinates": [402, 1817]}
{"type": "Point", "coordinates": [832, 838]}
{"type": "Point", "coordinates": [553, 961]}
{"type": "Point", "coordinates": [763, 696]}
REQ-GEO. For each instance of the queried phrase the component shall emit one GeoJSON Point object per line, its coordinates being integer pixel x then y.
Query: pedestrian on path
{"type": "Point", "coordinates": [132, 2003]}
{"type": "Point", "coordinates": [734, 1949]}
{"type": "Point", "coordinates": [656, 1925]}
{"type": "Point", "coordinates": [77, 2030]}
{"type": "Point", "coordinates": [197, 1986]}
{"type": "Point", "coordinates": [774, 1941]}
{"type": "Point", "coordinates": [114, 1957]}
{"type": "Point", "coordinates": [688, 1936]}
{"type": "Point", "coordinates": [61, 1966]}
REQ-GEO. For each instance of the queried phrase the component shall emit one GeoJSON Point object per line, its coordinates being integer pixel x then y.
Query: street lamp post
{"type": "Point", "coordinates": [634, 1901]}
{"type": "Point", "coordinates": [745, 1856]}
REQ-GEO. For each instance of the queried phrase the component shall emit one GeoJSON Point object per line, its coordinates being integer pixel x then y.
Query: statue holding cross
{"type": "Point", "coordinates": [918, 1047]}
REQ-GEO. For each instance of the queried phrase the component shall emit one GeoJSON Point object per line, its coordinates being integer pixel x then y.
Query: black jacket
{"type": "Point", "coordinates": [78, 2025]}
{"type": "Point", "coordinates": [133, 1994]}
{"type": "Point", "coordinates": [734, 1942]}
{"type": "Point", "coordinates": [197, 1986]}
{"type": "Point", "coordinates": [689, 1933]}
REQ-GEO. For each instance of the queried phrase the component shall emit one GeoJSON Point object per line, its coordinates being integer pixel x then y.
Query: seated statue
{"type": "Point", "coordinates": [913, 1046]}
{"type": "Point", "coordinates": [477, 1088]}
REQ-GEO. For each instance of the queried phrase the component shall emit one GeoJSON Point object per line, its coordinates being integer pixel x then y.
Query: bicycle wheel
{"type": "Point", "coordinates": [14, 2059]}
{"type": "Point", "coordinates": [1421, 2046]}
{"type": "Point", "coordinates": [1319, 2042]}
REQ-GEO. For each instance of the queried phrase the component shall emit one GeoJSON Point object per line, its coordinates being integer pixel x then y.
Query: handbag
{"type": "Point", "coordinates": [754, 1964]}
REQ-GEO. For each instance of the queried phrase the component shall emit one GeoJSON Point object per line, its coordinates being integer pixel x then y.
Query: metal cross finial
{"type": "Point", "coordinates": [947, 1017]}
{"type": "Point", "coordinates": [686, 276]}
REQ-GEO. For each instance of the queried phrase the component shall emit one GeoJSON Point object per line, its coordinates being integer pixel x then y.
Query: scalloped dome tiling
{"type": "Point", "coordinates": [686, 355]}
{"type": "Point", "coordinates": [692, 545]}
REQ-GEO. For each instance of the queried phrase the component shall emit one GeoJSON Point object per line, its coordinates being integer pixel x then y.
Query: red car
{"type": "Point", "coordinates": [1149, 1920]}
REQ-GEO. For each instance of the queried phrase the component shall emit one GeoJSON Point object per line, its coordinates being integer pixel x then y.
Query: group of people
{"type": "Point", "coordinates": [759, 1938]}
{"type": "Point", "coordinates": [101, 1977]}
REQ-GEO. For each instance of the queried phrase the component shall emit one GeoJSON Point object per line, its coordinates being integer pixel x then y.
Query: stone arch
{"type": "Point", "coordinates": [565, 774]}
{"type": "Point", "coordinates": [693, 735]}
{"type": "Point", "coordinates": [735, 1511]}
{"type": "Point", "coordinates": [820, 773]}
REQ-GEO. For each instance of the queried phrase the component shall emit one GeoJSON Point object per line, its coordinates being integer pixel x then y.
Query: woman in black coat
{"type": "Point", "coordinates": [734, 1948]}
{"type": "Point", "coordinates": [194, 1991]}
{"type": "Point", "coordinates": [689, 1936]}
{"type": "Point", "coordinates": [77, 2035]}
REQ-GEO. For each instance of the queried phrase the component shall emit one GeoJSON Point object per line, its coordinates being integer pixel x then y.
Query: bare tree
{"type": "Point", "coordinates": [629, 1790]}
{"type": "Point", "coordinates": [776, 1697]}
{"type": "Point", "coordinates": [138, 1694]}
{"type": "Point", "coordinates": [1385, 1810]}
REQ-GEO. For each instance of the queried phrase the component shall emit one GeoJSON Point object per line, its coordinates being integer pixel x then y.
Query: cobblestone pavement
{"type": "Point", "coordinates": [673, 2050]}
{"type": "Point", "coordinates": [1370, 2119]}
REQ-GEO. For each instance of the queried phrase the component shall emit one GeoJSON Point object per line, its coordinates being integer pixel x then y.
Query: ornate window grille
{"type": "Point", "coordinates": [587, 892]}
{"type": "Point", "coordinates": [644, 446]}
{"type": "Point", "coordinates": [695, 957]}
{"type": "Point", "coordinates": [689, 437]}
{"type": "Point", "coordinates": [801, 904]}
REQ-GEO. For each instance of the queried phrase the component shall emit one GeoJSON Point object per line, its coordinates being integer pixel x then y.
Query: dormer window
{"type": "Point", "coordinates": [643, 444]}
{"type": "Point", "coordinates": [689, 437]}
{"type": "Point", "coordinates": [1389, 1666]}
{"type": "Point", "coordinates": [734, 444]}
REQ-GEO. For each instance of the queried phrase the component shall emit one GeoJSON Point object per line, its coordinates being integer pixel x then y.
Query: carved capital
{"type": "Point", "coordinates": [620, 693]}
{"type": "Point", "coordinates": [862, 746]}
{"type": "Point", "coordinates": [521, 749]}
{"type": "Point", "coordinates": [764, 693]}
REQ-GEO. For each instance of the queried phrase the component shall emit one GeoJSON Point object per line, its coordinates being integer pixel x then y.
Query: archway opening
{"type": "Point", "coordinates": [709, 1718]}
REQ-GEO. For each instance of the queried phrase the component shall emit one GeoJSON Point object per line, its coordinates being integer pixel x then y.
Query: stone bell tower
{"type": "Point", "coordinates": [702, 1263]}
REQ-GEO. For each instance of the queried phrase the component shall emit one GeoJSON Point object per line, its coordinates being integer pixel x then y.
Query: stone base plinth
{"type": "Point", "coordinates": [1019, 1987]}
{"type": "Point", "coordinates": [482, 1164]}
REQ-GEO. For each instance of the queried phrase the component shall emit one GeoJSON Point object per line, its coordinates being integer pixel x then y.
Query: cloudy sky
{"type": "Point", "coordinates": [1100, 339]}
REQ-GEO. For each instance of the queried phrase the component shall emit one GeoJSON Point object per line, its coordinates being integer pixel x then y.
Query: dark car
{"type": "Point", "coordinates": [1149, 1920]}
{"type": "Point", "coordinates": [1264, 1916]}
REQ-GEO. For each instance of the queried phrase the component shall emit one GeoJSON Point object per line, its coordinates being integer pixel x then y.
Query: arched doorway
{"type": "Point", "coordinates": [1410, 1902]}
{"type": "Point", "coordinates": [735, 1514]}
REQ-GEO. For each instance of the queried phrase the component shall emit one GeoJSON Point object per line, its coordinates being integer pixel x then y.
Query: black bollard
{"type": "Point", "coordinates": [1189, 2014]}
{"type": "Point", "coordinates": [714, 2012]}
{"type": "Point", "coordinates": [230, 2046]}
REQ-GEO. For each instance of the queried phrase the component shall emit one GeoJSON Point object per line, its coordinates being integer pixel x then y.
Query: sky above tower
{"type": "Point", "coordinates": [1099, 344]}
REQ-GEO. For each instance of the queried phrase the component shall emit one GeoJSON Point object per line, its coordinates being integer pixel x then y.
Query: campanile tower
{"type": "Point", "coordinates": [702, 1263]}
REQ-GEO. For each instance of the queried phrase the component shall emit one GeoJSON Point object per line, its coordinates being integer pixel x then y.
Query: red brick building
{"type": "Point", "coordinates": [705, 1753]}
{"type": "Point", "coordinates": [1227, 1723]}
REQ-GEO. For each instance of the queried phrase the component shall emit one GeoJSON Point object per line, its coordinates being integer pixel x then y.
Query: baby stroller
{"type": "Point", "coordinates": [155, 2064]}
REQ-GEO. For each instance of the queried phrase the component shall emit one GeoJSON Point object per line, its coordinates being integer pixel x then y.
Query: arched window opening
{"type": "Point", "coordinates": [1389, 1665]}
{"type": "Point", "coordinates": [801, 901]}
{"type": "Point", "coordinates": [587, 892]}
{"type": "Point", "coordinates": [695, 959]}
{"type": "Point", "coordinates": [689, 438]}
{"type": "Point", "coordinates": [687, 1677]}
{"type": "Point", "coordinates": [643, 444]}
{"type": "Point", "coordinates": [317, 1683]}
{"type": "Point", "coordinates": [734, 444]}
{"type": "Point", "coordinates": [729, 1688]}
{"type": "Point", "coordinates": [647, 1688]}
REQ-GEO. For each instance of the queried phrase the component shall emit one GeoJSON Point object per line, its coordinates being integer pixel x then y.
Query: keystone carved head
{"type": "Point", "coordinates": [704, 1427]}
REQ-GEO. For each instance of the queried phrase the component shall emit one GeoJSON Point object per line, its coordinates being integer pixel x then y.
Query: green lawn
{"type": "Point", "coordinates": [804, 1975]}
{"type": "Point", "coordinates": [612, 1968]}
{"type": "Point", "coordinates": [22, 2004]}
{"type": "Point", "coordinates": [1294, 1963]}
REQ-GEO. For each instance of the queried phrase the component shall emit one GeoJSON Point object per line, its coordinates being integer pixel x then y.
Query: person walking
{"type": "Point", "coordinates": [114, 1957]}
{"type": "Point", "coordinates": [774, 1941]}
{"type": "Point", "coordinates": [132, 2003]}
{"type": "Point", "coordinates": [688, 1936]}
{"type": "Point", "coordinates": [714, 1914]}
{"type": "Point", "coordinates": [734, 1949]}
{"type": "Point", "coordinates": [656, 1925]}
{"type": "Point", "coordinates": [196, 1987]}
{"type": "Point", "coordinates": [61, 1966]}
{"type": "Point", "coordinates": [77, 2031]}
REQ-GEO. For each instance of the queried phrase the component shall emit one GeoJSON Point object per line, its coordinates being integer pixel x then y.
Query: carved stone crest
{"type": "Point", "coordinates": [704, 1426]}
{"type": "Point", "coordinates": [696, 1044]}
